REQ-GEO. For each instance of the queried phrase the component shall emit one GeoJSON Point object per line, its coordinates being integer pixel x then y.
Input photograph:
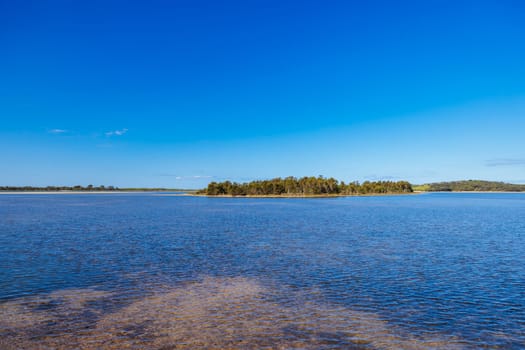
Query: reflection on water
{"type": "Point", "coordinates": [145, 271]}
{"type": "Point", "coordinates": [212, 313]}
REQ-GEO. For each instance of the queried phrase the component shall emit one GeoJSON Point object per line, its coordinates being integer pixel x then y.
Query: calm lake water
{"type": "Point", "coordinates": [431, 271]}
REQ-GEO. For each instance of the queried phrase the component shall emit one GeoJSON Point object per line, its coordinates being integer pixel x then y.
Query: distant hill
{"type": "Point", "coordinates": [470, 185]}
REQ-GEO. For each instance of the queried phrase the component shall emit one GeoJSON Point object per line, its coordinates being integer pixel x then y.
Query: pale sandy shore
{"type": "Point", "coordinates": [302, 196]}
{"type": "Point", "coordinates": [469, 191]}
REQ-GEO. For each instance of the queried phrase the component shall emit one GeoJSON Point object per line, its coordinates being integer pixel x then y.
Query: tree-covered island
{"type": "Point", "coordinates": [305, 187]}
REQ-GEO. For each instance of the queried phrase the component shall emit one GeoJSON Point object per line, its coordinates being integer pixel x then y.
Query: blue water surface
{"type": "Point", "coordinates": [447, 264]}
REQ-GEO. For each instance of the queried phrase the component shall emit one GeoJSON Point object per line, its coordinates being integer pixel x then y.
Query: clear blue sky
{"type": "Point", "coordinates": [180, 93]}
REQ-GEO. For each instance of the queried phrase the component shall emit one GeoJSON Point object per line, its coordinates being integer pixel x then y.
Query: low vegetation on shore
{"type": "Point", "coordinates": [78, 188]}
{"type": "Point", "coordinates": [305, 186]}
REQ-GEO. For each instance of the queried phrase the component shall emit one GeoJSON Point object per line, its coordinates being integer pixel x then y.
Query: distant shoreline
{"type": "Point", "coordinates": [92, 192]}
{"type": "Point", "coordinates": [193, 194]}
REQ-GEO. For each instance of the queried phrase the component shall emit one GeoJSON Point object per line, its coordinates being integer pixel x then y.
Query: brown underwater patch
{"type": "Point", "coordinates": [214, 313]}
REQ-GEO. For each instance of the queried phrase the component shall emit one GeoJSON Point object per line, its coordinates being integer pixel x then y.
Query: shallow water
{"type": "Point", "coordinates": [430, 271]}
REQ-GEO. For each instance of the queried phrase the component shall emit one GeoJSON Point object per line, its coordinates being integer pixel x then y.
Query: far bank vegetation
{"type": "Point", "coordinates": [470, 186]}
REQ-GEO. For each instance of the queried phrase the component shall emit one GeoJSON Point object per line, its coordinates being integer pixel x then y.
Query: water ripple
{"type": "Point", "coordinates": [430, 271]}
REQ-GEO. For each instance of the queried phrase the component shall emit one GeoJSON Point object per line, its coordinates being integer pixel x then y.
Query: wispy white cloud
{"type": "Point", "coordinates": [117, 132]}
{"type": "Point", "coordinates": [191, 177]}
{"type": "Point", "coordinates": [505, 162]}
{"type": "Point", "coordinates": [57, 131]}
{"type": "Point", "coordinates": [374, 177]}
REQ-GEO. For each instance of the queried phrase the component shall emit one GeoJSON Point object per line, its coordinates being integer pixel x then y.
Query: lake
{"type": "Point", "coordinates": [429, 271]}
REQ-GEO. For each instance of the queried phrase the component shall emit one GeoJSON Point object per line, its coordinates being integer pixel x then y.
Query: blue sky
{"type": "Point", "coordinates": [180, 93]}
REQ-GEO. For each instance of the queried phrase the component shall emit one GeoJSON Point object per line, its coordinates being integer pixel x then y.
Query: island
{"type": "Point", "coordinates": [304, 187]}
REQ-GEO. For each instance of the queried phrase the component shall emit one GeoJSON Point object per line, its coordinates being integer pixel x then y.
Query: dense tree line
{"type": "Point", "coordinates": [304, 186]}
{"type": "Point", "coordinates": [472, 185]}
